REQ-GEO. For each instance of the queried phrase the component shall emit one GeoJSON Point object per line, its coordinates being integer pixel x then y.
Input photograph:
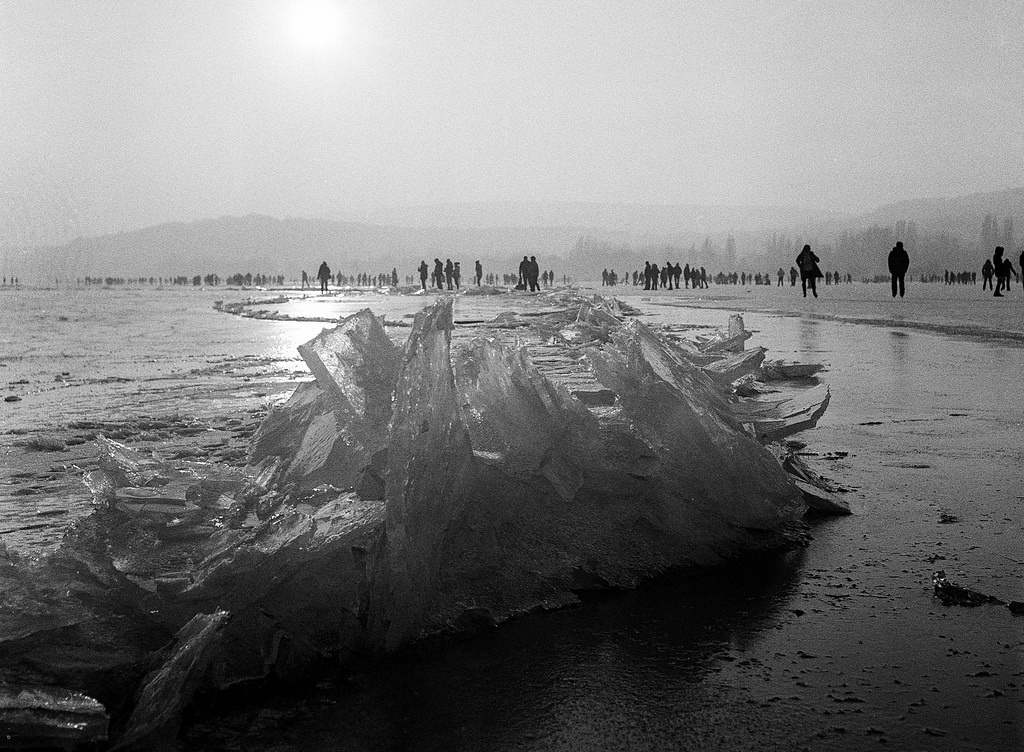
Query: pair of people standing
{"type": "Point", "coordinates": [529, 274]}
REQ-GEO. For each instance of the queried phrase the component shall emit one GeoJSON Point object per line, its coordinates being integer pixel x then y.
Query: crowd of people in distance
{"type": "Point", "coordinates": [654, 277]}
{"type": "Point", "coordinates": [953, 278]}
{"type": "Point", "coordinates": [996, 275]}
{"type": "Point", "coordinates": [326, 277]}
{"type": "Point", "coordinates": [448, 275]}
{"type": "Point", "coordinates": [669, 276]}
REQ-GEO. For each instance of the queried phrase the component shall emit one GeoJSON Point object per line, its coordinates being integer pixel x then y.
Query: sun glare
{"type": "Point", "coordinates": [314, 24]}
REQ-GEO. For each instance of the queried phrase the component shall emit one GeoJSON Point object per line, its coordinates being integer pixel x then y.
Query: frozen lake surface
{"type": "Point", "coordinates": [838, 646]}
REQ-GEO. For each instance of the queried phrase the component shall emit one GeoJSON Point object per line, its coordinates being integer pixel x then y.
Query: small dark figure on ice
{"type": "Point", "coordinates": [899, 262]}
{"type": "Point", "coordinates": [534, 274]}
{"type": "Point", "coordinates": [986, 275]}
{"type": "Point", "coordinates": [324, 275]}
{"type": "Point", "coordinates": [807, 262]}
{"type": "Point", "coordinates": [449, 273]}
{"type": "Point", "coordinates": [1002, 268]}
{"type": "Point", "coordinates": [524, 273]}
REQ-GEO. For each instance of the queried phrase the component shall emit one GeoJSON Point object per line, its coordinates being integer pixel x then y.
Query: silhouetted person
{"type": "Point", "coordinates": [534, 274]}
{"type": "Point", "coordinates": [524, 273]}
{"type": "Point", "coordinates": [438, 274]}
{"type": "Point", "coordinates": [986, 274]}
{"type": "Point", "coordinates": [807, 262]}
{"type": "Point", "coordinates": [899, 262]}
{"type": "Point", "coordinates": [324, 275]}
{"type": "Point", "coordinates": [997, 269]}
{"type": "Point", "coordinates": [782, 276]}
{"type": "Point", "coordinates": [457, 274]}
{"type": "Point", "coordinates": [449, 272]}
{"type": "Point", "coordinates": [1007, 270]}
{"type": "Point", "coordinates": [479, 273]}
{"type": "Point", "coordinates": [647, 275]}
{"type": "Point", "coordinates": [424, 272]}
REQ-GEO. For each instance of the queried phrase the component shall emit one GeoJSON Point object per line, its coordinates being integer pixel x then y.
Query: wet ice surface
{"type": "Point", "coordinates": [157, 367]}
{"type": "Point", "coordinates": [837, 647]}
{"type": "Point", "coordinates": [952, 309]}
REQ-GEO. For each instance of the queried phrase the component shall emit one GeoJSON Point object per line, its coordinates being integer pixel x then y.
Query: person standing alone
{"type": "Point", "coordinates": [323, 274]}
{"type": "Point", "coordinates": [899, 262]}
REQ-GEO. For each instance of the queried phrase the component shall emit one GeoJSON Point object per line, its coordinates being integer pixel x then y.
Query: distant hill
{"type": "Point", "coordinates": [948, 233]}
{"type": "Point", "coordinates": [267, 245]}
{"type": "Point", "coordinates": [574, 238]}
{"type": "Point", "coordinates": [961, 216]}
{"type": "Point", "coordinates": [637, 220]}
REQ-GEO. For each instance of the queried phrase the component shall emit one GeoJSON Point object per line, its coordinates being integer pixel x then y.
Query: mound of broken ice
{"type": "Point", "coordinates": [407, 491]}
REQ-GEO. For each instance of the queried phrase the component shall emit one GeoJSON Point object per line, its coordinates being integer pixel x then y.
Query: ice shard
{"type": "Point", "coordinates": [170, 687]}
{"type": "Point", "coordinates": [727, 370]}
{"type": "Point", "coordinates": [332, 430]}
{"type": "Point", "coordinates": [296, 586]}
{"type": "Point", "coordinates": [41, 717]}
{"type": "Point", "coordinates": [356, 363]}
{"type": "Point", "coordinates": [724, 476]}
{"type": "Point", "coordinates": [429, 456]}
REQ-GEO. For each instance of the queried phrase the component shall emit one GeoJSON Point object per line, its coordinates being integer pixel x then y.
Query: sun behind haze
{"type": "Point", "coordinates": [314, 25]}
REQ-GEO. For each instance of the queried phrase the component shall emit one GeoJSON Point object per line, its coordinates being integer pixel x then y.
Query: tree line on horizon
{"type": "Point", "coordinates": [862, 251]}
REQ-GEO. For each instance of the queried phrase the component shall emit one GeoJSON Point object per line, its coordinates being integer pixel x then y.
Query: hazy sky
{"type": "Point", "coordinates": [121, 114]}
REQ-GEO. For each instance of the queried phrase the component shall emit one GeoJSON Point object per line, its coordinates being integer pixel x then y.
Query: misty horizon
{"type": "Point", "coordinates": [120, 116]}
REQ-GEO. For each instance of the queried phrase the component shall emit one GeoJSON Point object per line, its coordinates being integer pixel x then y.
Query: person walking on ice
{"type": "Point", "coordinates": [807, 262]}
{"type": "Point", "coordinates": [324, 275]}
